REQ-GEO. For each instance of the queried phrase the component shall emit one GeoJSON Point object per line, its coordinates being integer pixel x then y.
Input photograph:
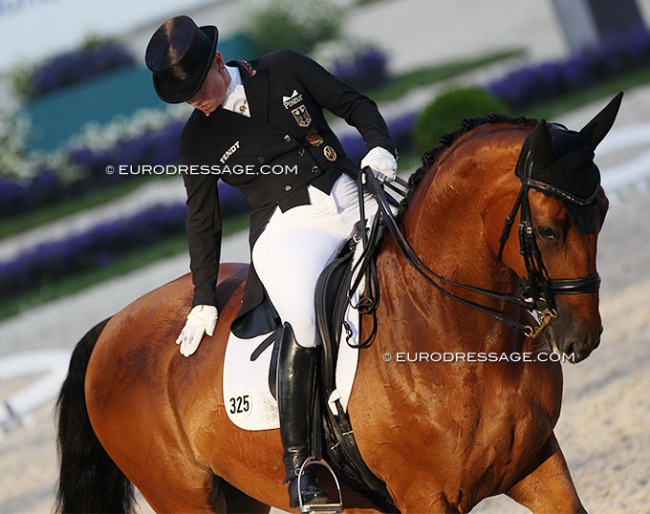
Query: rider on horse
{"type": "Point", "coordinates": [260, 127]}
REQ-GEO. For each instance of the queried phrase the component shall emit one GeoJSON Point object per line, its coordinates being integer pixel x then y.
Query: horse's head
{"type": "Point", "coordinates": [560, 209]}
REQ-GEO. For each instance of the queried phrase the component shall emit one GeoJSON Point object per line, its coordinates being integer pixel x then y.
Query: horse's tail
{"type": "Point", "coordinates": [89, 480]}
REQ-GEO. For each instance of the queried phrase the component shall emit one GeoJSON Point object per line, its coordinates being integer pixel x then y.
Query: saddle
{"type": "Point", "coordinates": [334, 440]}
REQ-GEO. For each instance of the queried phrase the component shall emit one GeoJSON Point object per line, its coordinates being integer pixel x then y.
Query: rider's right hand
{"type": "Point", "coordinates": [200, 321]}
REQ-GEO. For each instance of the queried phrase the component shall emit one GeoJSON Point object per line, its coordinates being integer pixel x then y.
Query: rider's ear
{"type": "Point", "coordinates": [218, 61]}
{"type": "Point", "coordinates": [594, 131]}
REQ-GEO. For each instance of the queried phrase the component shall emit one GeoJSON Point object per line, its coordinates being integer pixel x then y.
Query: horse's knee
{"type": "Point", "coordinates": [548, 487]}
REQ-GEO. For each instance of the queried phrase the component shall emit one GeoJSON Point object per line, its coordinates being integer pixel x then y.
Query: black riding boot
{"type": "Point", "coordinates": [295, 388]}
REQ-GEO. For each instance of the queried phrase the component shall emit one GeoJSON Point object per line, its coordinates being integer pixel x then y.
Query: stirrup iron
{"type": "Point", "coordinates": [322, 508]}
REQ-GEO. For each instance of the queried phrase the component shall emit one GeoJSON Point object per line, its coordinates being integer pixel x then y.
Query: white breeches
{"type": "Point", "coordinates": [297, 245]}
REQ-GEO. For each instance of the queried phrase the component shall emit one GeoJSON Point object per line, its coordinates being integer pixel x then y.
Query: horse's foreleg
{"type": "Point", "coordinates": [548, 488]}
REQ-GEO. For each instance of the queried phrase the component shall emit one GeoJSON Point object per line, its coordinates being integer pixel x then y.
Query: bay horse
{"type": "Point", "coordinates": [442, 435]}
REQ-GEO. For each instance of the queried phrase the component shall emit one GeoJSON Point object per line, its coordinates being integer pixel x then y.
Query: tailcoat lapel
{"type": "Point", "coordinates": [256, 85]}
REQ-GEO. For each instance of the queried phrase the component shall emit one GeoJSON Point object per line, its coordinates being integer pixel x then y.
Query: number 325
{"type": "Point", "coordinates": [239, 404]}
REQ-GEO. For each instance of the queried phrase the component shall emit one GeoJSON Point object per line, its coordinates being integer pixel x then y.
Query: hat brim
{"type": "Point", "coordinates": [177, 96]}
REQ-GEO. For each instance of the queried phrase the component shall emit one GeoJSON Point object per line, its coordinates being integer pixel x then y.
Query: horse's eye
{"type": "Point", "coordinates": [548, 233]}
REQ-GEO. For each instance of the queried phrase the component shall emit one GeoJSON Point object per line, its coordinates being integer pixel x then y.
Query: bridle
{"type": "Point", "coordinates": [538, 291]}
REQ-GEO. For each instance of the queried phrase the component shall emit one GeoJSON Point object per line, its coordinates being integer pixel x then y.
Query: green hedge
{"type": "Point", "coordinates": [447, 110]}
{"type": "Point", "coordinates": [293, 24]}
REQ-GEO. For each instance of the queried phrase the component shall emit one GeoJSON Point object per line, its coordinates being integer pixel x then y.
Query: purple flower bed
{"type": "Point", "coordinates": [49, 262]}
{"type": "Point", "coordinates": [400, 129]}
{"type": "Point", "coordinates": [367, 70]}
{"type": "Point", "coordinates": [101, 245]}
{"type": "Point", "coordinates": [77, 66]}
{"type": "Point", "coordinates": [47, 188]}
{"type": "Point", "coordinates": [151, 147]}
{"type": "Point", "coordinates": [17, 198]}
{"type": "Point", "coordinates": [533, 84]}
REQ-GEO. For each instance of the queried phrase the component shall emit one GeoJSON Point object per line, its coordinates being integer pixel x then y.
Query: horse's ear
{"type": "Point", "coordinates": [541, 145]}
{"type": "Point", "coordinates": [595, 131]}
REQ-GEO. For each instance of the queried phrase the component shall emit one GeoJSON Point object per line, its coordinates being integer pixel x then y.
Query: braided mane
{"type": "Point", "coordinates": [446, 140]}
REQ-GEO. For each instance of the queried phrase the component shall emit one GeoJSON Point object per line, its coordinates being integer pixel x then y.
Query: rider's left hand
{"type": "Point", "coordinates": [382, 163]}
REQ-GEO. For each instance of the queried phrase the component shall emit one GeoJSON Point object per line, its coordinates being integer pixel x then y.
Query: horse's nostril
{"type": "Point", "coordinates": [581, 349]}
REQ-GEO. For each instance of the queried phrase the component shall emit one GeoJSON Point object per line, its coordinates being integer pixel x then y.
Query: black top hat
{"type": "Point", "coordinates": [180, 55]}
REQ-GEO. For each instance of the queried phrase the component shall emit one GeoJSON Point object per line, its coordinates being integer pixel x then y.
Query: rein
{"type": "Point", "coordinates": [534, 286]}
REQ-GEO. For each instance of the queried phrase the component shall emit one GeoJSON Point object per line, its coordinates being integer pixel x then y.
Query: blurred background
{"type": "Point", "coordinates": [79, 240]}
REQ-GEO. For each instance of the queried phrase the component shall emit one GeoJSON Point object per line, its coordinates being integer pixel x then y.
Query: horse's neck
{"type": "Point", "coordinates": [444, 227]}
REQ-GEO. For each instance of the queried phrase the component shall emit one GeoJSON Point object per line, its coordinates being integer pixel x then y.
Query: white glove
{"type": "Point", "coordinates": [201, 320]}
{"type": "Point", "coordinates": [382, 163]}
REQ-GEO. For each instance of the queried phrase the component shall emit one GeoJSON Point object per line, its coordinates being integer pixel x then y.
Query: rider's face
{"type": "Point", "coordinates": [213, 91]}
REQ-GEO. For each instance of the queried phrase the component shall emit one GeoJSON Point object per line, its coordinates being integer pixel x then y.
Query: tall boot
{"type": "Point", "coordinates": [295, 389]}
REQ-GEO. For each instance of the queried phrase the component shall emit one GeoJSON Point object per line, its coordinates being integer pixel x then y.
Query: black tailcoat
{"type": "Point", "coordinates": [271, 157]}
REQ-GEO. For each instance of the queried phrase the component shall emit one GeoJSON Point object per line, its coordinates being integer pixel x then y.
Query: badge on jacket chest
{"type": "Point", "coordinates": [298, 109]}
{"type": "Point", "coordinates": [301, 115]}
{"type": "Point", "coordinates": [314, 138]}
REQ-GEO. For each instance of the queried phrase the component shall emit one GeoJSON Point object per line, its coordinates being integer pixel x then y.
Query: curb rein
{"type": "Point", "coordinates": [538, 290]}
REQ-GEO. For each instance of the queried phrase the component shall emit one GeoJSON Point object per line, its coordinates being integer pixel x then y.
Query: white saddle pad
{"type": "Point", "coordinates": [246, 393]}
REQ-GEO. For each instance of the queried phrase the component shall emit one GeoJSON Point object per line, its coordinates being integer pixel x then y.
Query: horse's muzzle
{"type": "Point", "coordinates": [574, 347]}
